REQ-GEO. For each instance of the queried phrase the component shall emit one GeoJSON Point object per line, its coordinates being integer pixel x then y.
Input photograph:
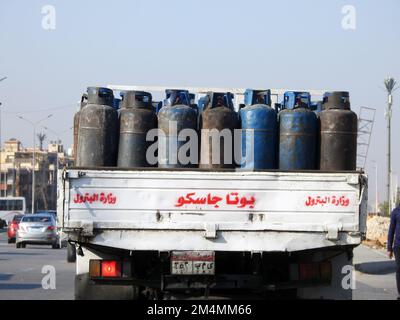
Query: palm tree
{"type": "Point", "coordinates": [390, 83]}
{"type": "Point", "coordinates": [41, 137]}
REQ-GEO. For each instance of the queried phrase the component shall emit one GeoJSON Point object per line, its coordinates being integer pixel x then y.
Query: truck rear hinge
{"type": "Point", "coordinates": [332, 231]}
{"type": "Point", "coordinates": [211, 231]}
{"type": "Point", "coordinates": [74, 174]}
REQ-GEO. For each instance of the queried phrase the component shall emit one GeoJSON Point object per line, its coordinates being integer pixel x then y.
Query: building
{"type": "Point", "coordinates": [16, 167]}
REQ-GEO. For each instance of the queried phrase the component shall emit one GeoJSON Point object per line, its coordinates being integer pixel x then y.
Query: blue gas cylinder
{"type": "Point", "coordinates": [259, 131]}
{"type": "Point", "coordinates": [297, 133]}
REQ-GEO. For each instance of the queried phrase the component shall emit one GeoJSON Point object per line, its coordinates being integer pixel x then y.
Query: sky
{"type": "Point", "coordinates": [307, 44]}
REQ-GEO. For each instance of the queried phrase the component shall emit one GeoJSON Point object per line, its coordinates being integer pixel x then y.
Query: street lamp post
{"type": "Point", "coordinates": [390, 85]}
{"type": "Point", "coordinates": [34, 125]}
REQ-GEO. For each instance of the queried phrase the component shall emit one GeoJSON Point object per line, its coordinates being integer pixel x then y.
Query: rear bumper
{"type": "Point", "coordinates": [228, 241]}
{"type": "Point", "coordinates": [35, 238]}
{"type": "Point", "coordinates": [219, 282]}
{"type": "Point", "coordinates": [35, 241]}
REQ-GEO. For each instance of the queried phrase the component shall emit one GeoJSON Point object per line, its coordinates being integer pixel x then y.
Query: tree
{"type": "Point", "coordinates": [41, 137]}
{"type": "Point", "coordinates": [384, 209]}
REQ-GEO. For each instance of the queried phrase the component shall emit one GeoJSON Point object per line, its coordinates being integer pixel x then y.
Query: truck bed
{"type": "Point", "coordinates": [166, 210]}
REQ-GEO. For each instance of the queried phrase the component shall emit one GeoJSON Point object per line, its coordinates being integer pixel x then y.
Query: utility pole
{"type": "Point", "coordinates": [394, 189]}
{"type": "Point", "coordinates": [1, 172]}
{"type": "Point", "coordinates": [390, 85]}
{"type": "Point", "coordinates": [34, 125]}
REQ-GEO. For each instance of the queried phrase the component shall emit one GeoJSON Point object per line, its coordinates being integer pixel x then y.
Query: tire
{"type": "Point", "coordinates": [23, 245]}
{"type": "Point", "coordinates": [9, 240]}
{"type": "Point", "coordinates": [55, 245]}
{"type": "Point", "coordinates": [71, 252]}
{"type": "Point", "coordinates": [18, 245]}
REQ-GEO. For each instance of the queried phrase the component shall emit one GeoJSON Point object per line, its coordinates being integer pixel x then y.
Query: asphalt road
{"type": "Point", "coordinates": [21, 274]}
{"type": "Point", "coordinates": [375, 275]}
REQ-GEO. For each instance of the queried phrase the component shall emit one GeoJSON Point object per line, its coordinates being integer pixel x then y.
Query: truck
{"type": "Point", "coordinates": [151, 233]}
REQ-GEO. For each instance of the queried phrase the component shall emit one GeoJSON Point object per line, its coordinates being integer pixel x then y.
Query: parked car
{"type": "Point", "coordinates": [38, 228]}
{"type": "Point", "coordinates": [13, 227]}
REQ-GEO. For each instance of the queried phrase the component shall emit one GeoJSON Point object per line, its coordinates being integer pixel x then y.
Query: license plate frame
{"type": "Point", "coordinates": [35, 229]}
{"type": "Point", "coordinates": [193, 263]}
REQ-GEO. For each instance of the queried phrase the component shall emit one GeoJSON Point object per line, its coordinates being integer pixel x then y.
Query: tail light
{"type": "Point", "coordinates": [105, 268]}
{"type": "Point", "coordinates": [315, 271]}
{"type": "Point", "coordinates": [326, 271]}
{"type": "Point", "coordinates": [51, 228]}
{"type": "Point", "coordinates": [13, 226]}
{"type": "Point", "coordinates": [110, 269]}
{"type": "Point", "coordinates": [308, 271]}
{"type": "Point", "coordinates": [95, 268]}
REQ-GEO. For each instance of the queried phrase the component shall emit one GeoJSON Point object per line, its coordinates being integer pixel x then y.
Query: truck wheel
{"type": "Point", "coordinates": [71, 252]}
{"type": "Point", "coordinates": [86, 289]}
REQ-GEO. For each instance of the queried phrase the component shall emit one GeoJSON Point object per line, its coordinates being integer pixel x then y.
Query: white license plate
{"type": "Point", "coordinates": [193, 262]}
